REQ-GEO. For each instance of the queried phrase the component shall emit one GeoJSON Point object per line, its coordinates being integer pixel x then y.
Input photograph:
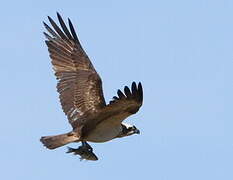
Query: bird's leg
{"type": "Point", "coordinates": [86, 145]}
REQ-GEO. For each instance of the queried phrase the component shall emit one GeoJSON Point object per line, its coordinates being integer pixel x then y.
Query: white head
{"type": "Point", "coordinates": [128, 129]}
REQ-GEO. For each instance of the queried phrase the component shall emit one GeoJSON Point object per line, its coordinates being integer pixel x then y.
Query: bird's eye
{"type": "Point", "coordinates": [130, 128]}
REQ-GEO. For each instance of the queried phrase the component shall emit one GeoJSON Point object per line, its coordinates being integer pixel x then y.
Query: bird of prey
{"type": "Point", "coordinates": [81, 95]}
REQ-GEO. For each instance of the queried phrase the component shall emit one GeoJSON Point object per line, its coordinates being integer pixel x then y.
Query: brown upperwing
{"type": "Point", "coordinates": [124, 105]}
{"type": "Point", "coordinates": [79, 85]}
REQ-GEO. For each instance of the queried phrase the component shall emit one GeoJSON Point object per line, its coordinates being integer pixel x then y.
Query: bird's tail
{"type": "Point", "coordinates": [53, 142]}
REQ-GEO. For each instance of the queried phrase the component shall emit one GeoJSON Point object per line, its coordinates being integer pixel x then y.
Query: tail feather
{"type": "Point", "coordinates": [53, 142]}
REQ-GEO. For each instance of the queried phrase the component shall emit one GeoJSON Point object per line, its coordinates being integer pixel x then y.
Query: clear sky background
{"type": "Point", "coordinates": [181, 51]}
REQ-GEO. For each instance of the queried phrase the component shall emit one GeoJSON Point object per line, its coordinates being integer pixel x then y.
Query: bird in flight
{"type": "Point", "coordinates": [81, 95]}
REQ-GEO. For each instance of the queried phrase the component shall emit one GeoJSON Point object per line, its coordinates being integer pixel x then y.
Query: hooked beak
{"type": "Point", "coordinates": [136, 131]}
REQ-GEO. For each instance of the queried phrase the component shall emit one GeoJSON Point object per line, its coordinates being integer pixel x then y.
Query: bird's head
{"type": "Point", "coordinates": [128, 129]}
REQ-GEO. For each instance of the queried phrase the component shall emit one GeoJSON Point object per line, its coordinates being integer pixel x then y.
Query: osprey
{"type": "Point", "coordinates": [81, 95]}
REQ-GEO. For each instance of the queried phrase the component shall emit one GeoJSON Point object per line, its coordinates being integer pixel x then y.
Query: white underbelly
{"type": "Point", "coordinates": [105, 131]}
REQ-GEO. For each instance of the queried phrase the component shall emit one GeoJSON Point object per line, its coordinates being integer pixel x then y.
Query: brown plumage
{"type": "Point", "coordinates": [80, 89]}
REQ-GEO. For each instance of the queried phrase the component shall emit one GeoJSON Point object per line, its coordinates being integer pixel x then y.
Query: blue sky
{"type": "Point", "coordinates": [181, 51]}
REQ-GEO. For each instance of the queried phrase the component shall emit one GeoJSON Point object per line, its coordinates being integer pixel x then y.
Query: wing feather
{"type": "Point", "coordinates": [127, 92]}
{"type": "Point", "coordinates": [63, 25]}
{"type": "Point", "coordinates": [120, 94]}
{"type": "Point", "coordinates": [118, 109]}
{"type": "Point", "coordinates": [79, 85]}
{"type": "Point", "coordinates": [129, 102]}
{"type": "Point", "coordinates": [73, 31]}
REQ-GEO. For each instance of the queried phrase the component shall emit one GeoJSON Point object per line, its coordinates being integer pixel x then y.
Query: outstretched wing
{"type": "Point", "coordinates": [122, 106]}
{"type": "Point", "coordinates": [79, 85]}
{"type": "Point", "coordinates": [128, 102]}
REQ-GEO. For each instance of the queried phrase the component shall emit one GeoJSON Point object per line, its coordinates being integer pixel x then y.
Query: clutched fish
{"type": "Point", "coordinates": [85, 153]}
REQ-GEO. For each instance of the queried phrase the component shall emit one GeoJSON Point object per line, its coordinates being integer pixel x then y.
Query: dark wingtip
{"type": "Point", "coordinates": [140, 86]}
{"type": "Point", "coordinates": [133, 87]}
{"type": "Point", "coordinates": [63, 25]}
{"type": "Point", "coordinates": [49, 18]}
{"type": "Point", "coordinates": [45, 34]}
{"type": "Point", "coordinates": [115, 98]}
{"type": "Point", "coordinates": [44, 23]}
{"type": "Point", "coordinates": [135, 93]}
{"type": "Point", "coordinates": [58, 14]}
{"type": "Point", "coordinates": [127, 92]}
{"type": "Point", "coordinates": [72, 30]}
{"type": "Point", "coordinates": [120, 94]}
{"type": "Point", "coordinates": [140, 91]}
